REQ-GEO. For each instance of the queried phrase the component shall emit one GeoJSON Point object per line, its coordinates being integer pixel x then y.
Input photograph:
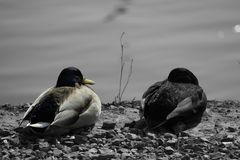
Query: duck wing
{"type": "Point", "coordinates": [43, 112]}
{"type": "Point", "coordinates": [191, 105]}
{"type": "Point", "coordinates": [152, 89]}
{"type": "Point", "coordinates": [27, 114]}
{"type": "Point", "coordinates": [77, 103]}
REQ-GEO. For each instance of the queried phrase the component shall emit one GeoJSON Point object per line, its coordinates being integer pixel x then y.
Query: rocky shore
{"type": "Point", "coordinates": [114, 137]}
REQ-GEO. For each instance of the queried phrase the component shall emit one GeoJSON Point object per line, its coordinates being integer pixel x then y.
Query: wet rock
{"type": "Point", "coordinates": [139, 145]}
{"type": "Point", "coordinates": [44, 146]}
{"type": "Point", "coordinates": [92, 150]}
{"type": "Point", "coordinates": [169, 135]}
{"type": "Point", "coordinates": [227, 144]}
{"type": "Point", "coordinates": [106, 154]}
{"type": "Point", "coordinates": [110, 134]}
{"type": "Point", "coordinates": [206, 157]}
{"type": "Point", "coordinates": [228, 138]}
{"type": "Point", "coordinates": [130, 124]}
{"type": "Point", "coordinates": [4, 133]}
{"type": "Point", "coordinates": [172, 142]}
{"type": "Point", "coordinates": [6, 143]}
{"type": "Point", "coordinates": [231, 129]}
{"type": "Point", "coordinates": [132, 136]}
{"type": "Point", "coordinates": [57, 152]}
{"type": "Point", "coordinates": [28, 152]}
{"type": "Point", "coordinates": [168, 150]}
{"type": "Point", "coordinates": [151, 135]}
{"type": "Point", "coordinates": [126, 155]}
{"type": "Point", "coordinates": [117, 142]}
{"type": "Point", "coordinates": [99, 134]}
{"type": "Point", "coordinates": [176, 155]}
{"type": "Point", "coordinates": [121, 109]}
{"type": "Point", "coordinates": [108, 125]}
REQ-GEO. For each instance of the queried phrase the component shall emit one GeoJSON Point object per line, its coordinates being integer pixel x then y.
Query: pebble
{"type": "Point", "coordinates": [151, 135]}
{"type": "Point", "coordinates": [44, 146]}
{"type": "Point", "coordinates": [132, 136]}
{"type": "Point", "coordinates": [100, 134]}
{"type": "Point", "coordinates": [108, 125]}
{"type": "Point", "coordinates": [4, 133]}
{"type": "Point", "coordinates": [206, 157]}
{"type": "Point", "coordinates": [6, 143]}
{"type": "Point", "coordinates": [232, 129]}
{"type": "Point", "coordinates": [93, 150]}
{"type": "Point", "coordinates": [172, 142]}
{"type": "Point", "coordinates": [110, 134]}
{"type": "Point", "coordinates": [117, 142]}
{"type": "Point", "coordinates": [227, 144]}
{"type": "Point", "coordinates": [126, 155]}
{"type": "Point", "coordinates": [176, 155]}
{"type": "Point", "coordinates": [228, 138]}
{"type": "Point", "coordinates": [121, 109]}
{"type": "Point", "coordinates": [57, 152]}
{"type": "Point", "coordinates": [79, 139]}
{"type": "Point", "coordinates": [106, 154]}
{"type": "Point", "coordinates": [168, 150]}
{"type": "Point", "coordinates": [169, 135]}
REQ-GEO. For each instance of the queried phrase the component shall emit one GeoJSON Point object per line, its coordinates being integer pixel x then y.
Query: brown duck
{"type": "Point", "coordinates": [175, 104]}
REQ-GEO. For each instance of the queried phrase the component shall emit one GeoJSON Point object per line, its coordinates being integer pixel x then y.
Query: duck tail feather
{"type": "Point", "coordinates": [39, 125]}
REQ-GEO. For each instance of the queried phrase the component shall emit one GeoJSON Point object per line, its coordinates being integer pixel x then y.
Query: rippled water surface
{"type": "Point", "coordinates": [38, 38]}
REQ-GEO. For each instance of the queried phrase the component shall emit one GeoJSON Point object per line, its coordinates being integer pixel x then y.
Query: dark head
{"type": "Point", "coordinates": [182, 75]}
{"type": "Point", "coordinates": [70, 77]}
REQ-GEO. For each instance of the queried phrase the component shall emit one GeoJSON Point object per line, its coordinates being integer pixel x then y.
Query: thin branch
{"type": "Point", "coordinates": [121, 69]}
{"type": "Point", "coordinates": [129, 75]}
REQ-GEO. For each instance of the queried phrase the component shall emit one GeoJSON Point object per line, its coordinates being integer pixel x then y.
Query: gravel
{"type": "Point", "coordinates": [114, 137]}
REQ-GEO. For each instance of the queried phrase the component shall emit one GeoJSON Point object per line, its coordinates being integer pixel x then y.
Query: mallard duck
{"type": "Point", "coordinates": [69, 105]}
{"type": "Point", "coordinates": [175, 104]}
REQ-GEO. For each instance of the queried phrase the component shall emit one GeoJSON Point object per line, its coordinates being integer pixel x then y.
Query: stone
{"type": "Point", "coordinates": [151, 135]}
{"type": "Point", "coordinates": [169, 135]}
{"type": "Point", "coordinates": [121, 109]}
{"type": "Point", "coordinates": [100, 134]}
{"type": "Point", "coordinates": [117, 142]}
{"type": "Point", "coordinates": [132, 136]}
{"type": "Point", "coordinates": [44, 146]}
{"type": "Point", "coordinates": [57, 152]}
{"type": "Point", "coordinates": [4, 133]}
{"type": "Point", "coordinates": [228, 138]}
{"type": "Point", "coordinates": [126, 155]}
{"type": "Point", "coordinates": [227, 144]}
{"type": "Point", "coordinates": [232, 129]}
{"type": "Point", "coordinates": [93, 150]}
{"type": "Point", "coordinates": [110, 134]}
{"type": "Point", "coordinates": [172, 142]}
{"type": "Point", "coordinates": [107, 125]}
{"type": "Point", "coordinates": [79, 139]}
{"type": "Point", "coordinates": [177, 155]}
{"type": "Point", "coordinates": [168, 150]}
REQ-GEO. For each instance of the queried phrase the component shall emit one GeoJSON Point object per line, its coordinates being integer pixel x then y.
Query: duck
{"type": "Point", "coordinates": [69, 105]}
{"type": "Point", "coordinates": [175, 104]}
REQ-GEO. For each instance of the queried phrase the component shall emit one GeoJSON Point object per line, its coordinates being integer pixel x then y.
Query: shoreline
{"type": "Point", "coordinates": [216, 137]}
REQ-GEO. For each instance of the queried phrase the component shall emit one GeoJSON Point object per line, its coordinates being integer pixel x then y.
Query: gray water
{"type": "Point", "coordinates": [38, 38]}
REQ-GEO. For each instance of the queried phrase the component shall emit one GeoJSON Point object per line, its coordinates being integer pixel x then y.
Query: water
{"type": "Point", "coordinates": [39, 38]}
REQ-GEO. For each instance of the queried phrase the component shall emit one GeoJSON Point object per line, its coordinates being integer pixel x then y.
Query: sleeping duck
{"type": "Point", "coordinates": [175, 104]}
{"type": "Point", "coordinates": [69, 105]}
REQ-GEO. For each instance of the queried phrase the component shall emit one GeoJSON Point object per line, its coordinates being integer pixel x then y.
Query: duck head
{"type": "Point", "coordinates": [70, 77]}
{"type": "Point", "coordinates": [182, 75]}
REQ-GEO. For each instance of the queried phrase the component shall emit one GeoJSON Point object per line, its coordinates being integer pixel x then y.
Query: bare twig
{"type": "Point", "coordinates": [121, 69]}
{"type": "Point", "coordinates": [121, 91]}
{"type": "Point", "coordinates": [129, 75]}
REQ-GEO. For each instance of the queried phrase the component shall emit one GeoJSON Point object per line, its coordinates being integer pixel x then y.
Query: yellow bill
{"type": "Point", "coordinates": [88, 81]}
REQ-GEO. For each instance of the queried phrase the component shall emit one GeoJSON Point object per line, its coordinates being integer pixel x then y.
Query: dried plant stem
{"type": "Point", "coordinates": [122, 63]}
{"type": "Point", "coordinates": [129, 75]}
